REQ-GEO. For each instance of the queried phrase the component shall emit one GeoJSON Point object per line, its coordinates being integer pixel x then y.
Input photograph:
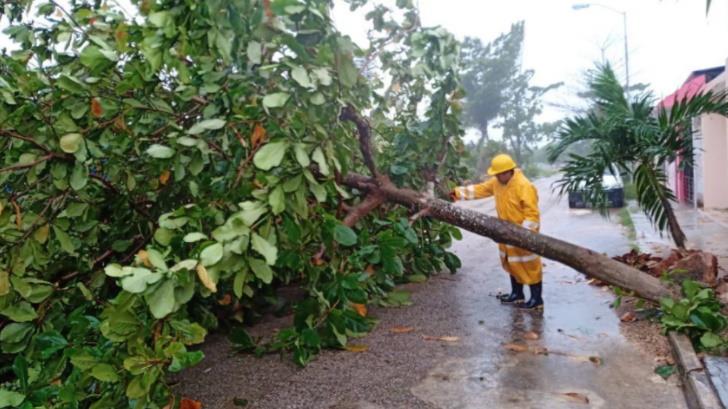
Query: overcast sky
{"type": "Point", "coordinates": [667, 38]}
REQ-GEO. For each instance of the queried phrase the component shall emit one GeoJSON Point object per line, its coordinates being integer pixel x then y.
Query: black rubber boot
{"type": "Point", "coordinates": [516, 294]}
{"type": "Point", "coordinates": [536, 302]}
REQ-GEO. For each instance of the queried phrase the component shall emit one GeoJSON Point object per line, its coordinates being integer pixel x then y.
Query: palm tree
{"type": "Point", "coordinates": [630, 135]}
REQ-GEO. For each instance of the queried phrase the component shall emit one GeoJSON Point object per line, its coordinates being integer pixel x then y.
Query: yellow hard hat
{"type": "Point", "coordinates": [501, 163]}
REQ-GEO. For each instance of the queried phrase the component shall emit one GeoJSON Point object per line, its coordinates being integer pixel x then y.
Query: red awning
{"type": "Point", "coordinates": [688, 89]}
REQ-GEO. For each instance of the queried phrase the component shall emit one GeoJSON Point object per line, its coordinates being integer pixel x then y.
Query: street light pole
{"type": "Point", "coordinates": [582, 6]}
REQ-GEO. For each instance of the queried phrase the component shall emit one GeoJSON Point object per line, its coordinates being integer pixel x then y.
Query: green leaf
{"type": "Point", "coordinates": [318, 191]}
{"type": "Point", "coordinates": [71, 143]}
{"type": "Point", "coordinates": [10, 399]}
{"type": "Point", "coordinates": [160, 18]}
{"type": "Point", "coordinates": [139, 279]}
{"type": "Point", "coordinates": [185, 360]}
{"type": "Point", "coordinates": [32, 289]}
{"type": "Point", "coordinates": [206, 125]}
{"type": "Point", "coordinates": [84, 360]}
{"type": "Point", "coordinates": [301, 155]}
{"type": "Point", "coordinates": [115, 270]}
{"type": "Point", "coordinates": [211, 254]}
{"type": "Point", "coordinates": [156, 259]}
{"type": "Point", "coordinates": [4, 283]}
{"type": "Point", "coordinates": [254, 52]}
{"type": "Point", "coordinates": [317, 99]}
{"type": "Point", "coordinates": [344, 235]}
{"type": "Point", "coordinates": [160, 151]}
{"type": "Point", "coordinates": [270, 155]}
{"type": "Point", "coordinates": [15, 332]}
{"type": "Point", "coordinates": [275, 100]}
{"type": "Point", "coordinates": [264, 248]}
{"type": "Point", "coordinates": [300, 75]}
{"type": "Point", "coordinates": [96, 58]}
{"type": "Point", "coordinates": [665, 371]}
{"type": "Point", "coordinates": [20, 312]}
{"type": "Point", "coordinates": [261, 270]}
{"type": "Point", "coordinates": [65, 241]}
{"type": "Point", "coordinates": [276, 199]}
{"type": "Point", "coordinates": [348, 73]}
{"type": "Point", "coordinates": [50, 342]}
{"type": "Point", "coordinates": [320, 159]}
{"type": "Point", "coordinates": [710, 340]}
{"type": "Point", "coordinates": [252, 212]}
{"type": "Point", "coordinates": [193, 237]}
{"type": "Point", "coordinates": [161, 301]}
{"type": "Point", "coordinates": [323, 76]}
{"type": "Point", "coordinates": [79, 176]}
{"type": "Point", "coordinates": [105, 373]}
{"type": "Point", "coordinates": [417, 278]}
{"type": "Point", "coordinates": [239, 283]}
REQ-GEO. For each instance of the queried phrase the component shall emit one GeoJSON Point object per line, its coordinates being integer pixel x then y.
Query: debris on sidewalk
{"type": "Point", "coordinates": [679, 264]}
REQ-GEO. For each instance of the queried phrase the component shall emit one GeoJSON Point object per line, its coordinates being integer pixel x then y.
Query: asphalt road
{"type": "Point", "coordinates": [492, 356]}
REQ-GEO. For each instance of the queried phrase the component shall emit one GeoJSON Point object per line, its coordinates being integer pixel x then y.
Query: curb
{"type": "Point", "coordinates": [699, 391]}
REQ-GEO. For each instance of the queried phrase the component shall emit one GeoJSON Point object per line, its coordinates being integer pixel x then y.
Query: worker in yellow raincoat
{"type": "Point", "coordinates": [516, 201]}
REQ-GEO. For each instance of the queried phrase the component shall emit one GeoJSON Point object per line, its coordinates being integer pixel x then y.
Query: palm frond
{"type": "Point", "coordinates": [652, 193]}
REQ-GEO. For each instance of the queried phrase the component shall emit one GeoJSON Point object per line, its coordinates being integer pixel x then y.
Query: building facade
{"type": "Point", "coordinates": [705, 182]}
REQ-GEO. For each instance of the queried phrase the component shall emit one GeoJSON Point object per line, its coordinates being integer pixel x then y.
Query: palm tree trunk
{"type": "Point", "coordinates": [678, 236]}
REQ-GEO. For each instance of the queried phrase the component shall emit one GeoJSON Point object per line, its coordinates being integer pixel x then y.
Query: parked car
{"type": "Point", "coordinates": [613, 187]}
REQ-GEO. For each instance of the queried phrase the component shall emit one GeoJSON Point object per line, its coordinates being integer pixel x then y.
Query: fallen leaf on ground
{"type": "Point", "coordinates": [356, 348]}
{"type": "Point", "coordinates": [190, 404]}
{"type": "Point", "coordinates": [443, 338]}
{"type": "Point", "coordinates": [531, 336]}
{"type": "Point", "coordinates": [360, 309]}
{"type": "Point", "coordinates": [577, 397]}
{"type": "Point", "coordinates": [401, 330]}
{"type": "Point", "coordinates": [540, 351]}
{"type": "Point", "coordinates": [628, 317]}
{"type": "Point", "coordinates": [516, 347]}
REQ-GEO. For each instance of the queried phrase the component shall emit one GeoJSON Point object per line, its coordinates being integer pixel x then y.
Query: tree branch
{"type": "Point", "coordinates": [27, 165]}
{"type": "Point", "coordinates": [365, 136]}
{"type": "Point", "coordinates": [116, 191]}
{"type": "Point", "coordinates": [13, 134]}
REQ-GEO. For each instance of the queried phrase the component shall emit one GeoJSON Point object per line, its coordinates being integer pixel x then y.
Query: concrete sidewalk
{"type": "Point", "coordinates": [705, 230]}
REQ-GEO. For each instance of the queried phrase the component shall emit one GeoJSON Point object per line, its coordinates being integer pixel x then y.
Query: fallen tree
{"type": "Point", "coordinates": [380, 189]}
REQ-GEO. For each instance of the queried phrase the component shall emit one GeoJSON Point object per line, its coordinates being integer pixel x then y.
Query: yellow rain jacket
{"type": "Point", "coordinates": [516, 202]}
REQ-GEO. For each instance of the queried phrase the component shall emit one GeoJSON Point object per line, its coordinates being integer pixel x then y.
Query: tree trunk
{"type": "Point", "coordinates": [584, 260]}
{"type": "Point", "coordinates": [480, 163]}
{"type": "Point", "coordinates": [675, 230]}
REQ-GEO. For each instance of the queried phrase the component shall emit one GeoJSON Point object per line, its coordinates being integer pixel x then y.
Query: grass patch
{"type": "Point", "coordinates": [630, 191]}
{"type": "Point", "coordinates": [625, 219]}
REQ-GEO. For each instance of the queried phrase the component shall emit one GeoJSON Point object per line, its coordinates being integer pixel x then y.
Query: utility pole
{"type": "Point", "coordinates": [582, 6]}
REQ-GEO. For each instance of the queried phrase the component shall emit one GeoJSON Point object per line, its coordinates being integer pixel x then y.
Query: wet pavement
{"type": "Point", "coordinates": [494, 356]}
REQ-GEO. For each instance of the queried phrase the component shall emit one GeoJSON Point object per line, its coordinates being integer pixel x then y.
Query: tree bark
{"type": "Point", "coordinates": [581, 259]}
{"type": "Point", "coordinates": [480, 165]}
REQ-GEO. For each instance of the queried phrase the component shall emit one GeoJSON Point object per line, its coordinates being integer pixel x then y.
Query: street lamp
{"type": "Point", "coordinates": [582, 6]}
